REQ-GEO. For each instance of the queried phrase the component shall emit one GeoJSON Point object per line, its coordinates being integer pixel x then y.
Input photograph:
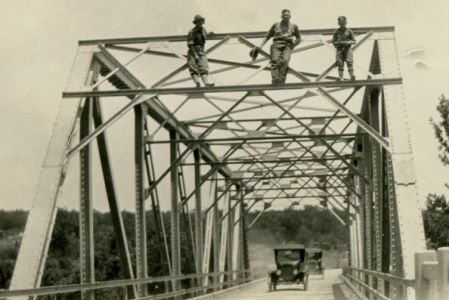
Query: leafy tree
{"type": "Point", "coordinates": [12, 220]}
{"type": "Point", "coordinates": [441, 129]}
{"type": "Point", "coordinates": [6, 269]}
{"type": "Point", "coordinates": [436, 220]}
{"type": "Point", "coordinates": [436, 215]}
{"type": "Point", "coordinates": [310, 226]}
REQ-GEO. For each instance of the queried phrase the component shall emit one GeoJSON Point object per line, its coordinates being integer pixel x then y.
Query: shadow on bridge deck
{"type": "Point", "coordinates": [331, 287]}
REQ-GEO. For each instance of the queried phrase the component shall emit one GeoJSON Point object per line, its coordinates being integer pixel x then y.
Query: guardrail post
{"type": "Point", "coordinates": [423, 288]}
{"type": "Point", "coordinates": [443, 273]}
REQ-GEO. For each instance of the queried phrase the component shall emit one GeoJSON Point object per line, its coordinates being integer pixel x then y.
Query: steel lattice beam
{"type": "Point", "coordinates": [219, 36]}
{"type": "Point", "coordinates": [235, 88]}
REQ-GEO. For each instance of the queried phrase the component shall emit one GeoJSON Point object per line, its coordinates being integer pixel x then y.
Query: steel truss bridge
{"type": "Point", "coordinates": [229, 149]}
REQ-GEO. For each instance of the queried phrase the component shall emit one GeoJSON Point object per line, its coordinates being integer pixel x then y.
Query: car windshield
{"type": "Point", "coordinates": [313, 255]}
{"type": "Point", "coordinates": [288, 256]}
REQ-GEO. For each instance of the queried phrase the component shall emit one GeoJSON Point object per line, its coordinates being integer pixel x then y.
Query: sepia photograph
{"type": "Point", "coordinates": [201, 149]}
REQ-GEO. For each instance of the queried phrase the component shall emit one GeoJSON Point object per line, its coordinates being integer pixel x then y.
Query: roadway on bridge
{"type": "Point", "coordinates": [331, 287]}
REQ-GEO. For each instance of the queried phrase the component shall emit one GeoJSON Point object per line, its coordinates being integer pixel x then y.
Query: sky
{"type": "Point", "coordinates": [40, 40]}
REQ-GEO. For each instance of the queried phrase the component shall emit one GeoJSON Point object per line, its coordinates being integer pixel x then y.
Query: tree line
{"type": "Point", "coordinates": [309, 226]}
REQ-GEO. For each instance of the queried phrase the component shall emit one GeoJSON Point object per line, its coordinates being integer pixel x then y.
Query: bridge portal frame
{"type": "Point", "coordinates": [386, 150]}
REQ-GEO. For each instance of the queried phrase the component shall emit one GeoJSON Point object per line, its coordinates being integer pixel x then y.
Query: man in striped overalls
{"type": "Point", "coordinates": [196, 56]}
{"type": "Point", "coordinates": [285, 36]}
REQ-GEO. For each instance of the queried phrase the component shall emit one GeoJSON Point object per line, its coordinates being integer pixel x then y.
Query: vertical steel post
{"type": "Point", "coordinates": [209, 233]}
{"type": "Point", "coordinates": [174, 214]}
{"type": "Point", "coordinates": [140, 220]}
{"type": "Point", "coordinates": [235, 215]}
{"type": "Point", "coordinates": [216, 237]}
{"type": "Point", "coordinates": [385, 227]}
{"type": "Point", "coordinates": [246, 265]}
{"type": "Point", "coordinates": [207, 246]}
{"type": "Point", "coordinates": [368, 207]}
{"type": "Point", "coordinates": [198, 214]}
{"type": "Point", "coordinates": [224, 238]}
{"type": "Point", "coordinates": [239, 223]}
{"type": "Point", "coordinates": [376, 165]}
{"type": "Point", "coordinates": [354, 238]}
{"type": "Point", "coordinates": [242, 230]}
{"type": "Point", "coordinates": [360, 232]}
{"type": "Point", "coordinates": [349, 230]}
{"type": "Point", "coordinates": [385, 207]}
{"type": "Point", "coordinates": [393, 252]}
{"type": "Point", "coordinates": [377, 185]}
{"type": "Point", "coordinates": [86, 228]}
{"type": "Point", "coordinates": [230, 220]}
{"type": "Point", "coordinates": [354, 246]}
{"type": "Point", "coordinates": [395, 244]}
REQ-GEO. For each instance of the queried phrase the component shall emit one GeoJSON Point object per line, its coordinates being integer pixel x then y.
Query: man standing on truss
{"type": "Point", "coordinates": [196, 56]}
{"type": "Point", "coordinates": [285, 36]}
{"type": "Point", "coordinates": [343, 40]}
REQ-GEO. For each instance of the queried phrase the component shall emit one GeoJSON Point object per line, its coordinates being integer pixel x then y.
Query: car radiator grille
{"type": "Point", "coordinates": [287, 272]}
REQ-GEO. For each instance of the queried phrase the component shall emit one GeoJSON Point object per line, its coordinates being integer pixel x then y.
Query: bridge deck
{"type": "Point", "coordinates": [331, 287]}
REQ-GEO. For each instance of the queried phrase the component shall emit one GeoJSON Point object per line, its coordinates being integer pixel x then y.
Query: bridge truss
{"type": "Point", "coordinates": [226, 150]}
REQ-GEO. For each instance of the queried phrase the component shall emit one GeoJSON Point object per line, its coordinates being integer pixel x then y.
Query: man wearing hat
{"type": "Point", "coordinates": [343, 40]}
{"type": "Point", "coordinates": [285, 36]}
{"type": "Point", "coordinates": [196, 56]}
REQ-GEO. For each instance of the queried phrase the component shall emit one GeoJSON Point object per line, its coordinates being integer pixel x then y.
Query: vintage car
{"type": "Point", "coordinates": [313, 261]}
{"type": "Point", "coordinates": [290, 266]}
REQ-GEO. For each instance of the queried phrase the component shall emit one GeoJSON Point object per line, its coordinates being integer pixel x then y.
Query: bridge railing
{"type": "Point", "coordinates": [368, 284]}
{"type": "Point", "coordinates": [431, 279]}
{"type": "Point", "coordinates": [191, 285]}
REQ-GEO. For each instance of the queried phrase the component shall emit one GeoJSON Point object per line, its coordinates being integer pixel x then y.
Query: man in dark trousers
{"type": "Point", "coordinates": [196, 56]}
{"type": "Point", "coordinates": [343, 40]}
{"type": "Point", "coordinates": [285, 36]}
